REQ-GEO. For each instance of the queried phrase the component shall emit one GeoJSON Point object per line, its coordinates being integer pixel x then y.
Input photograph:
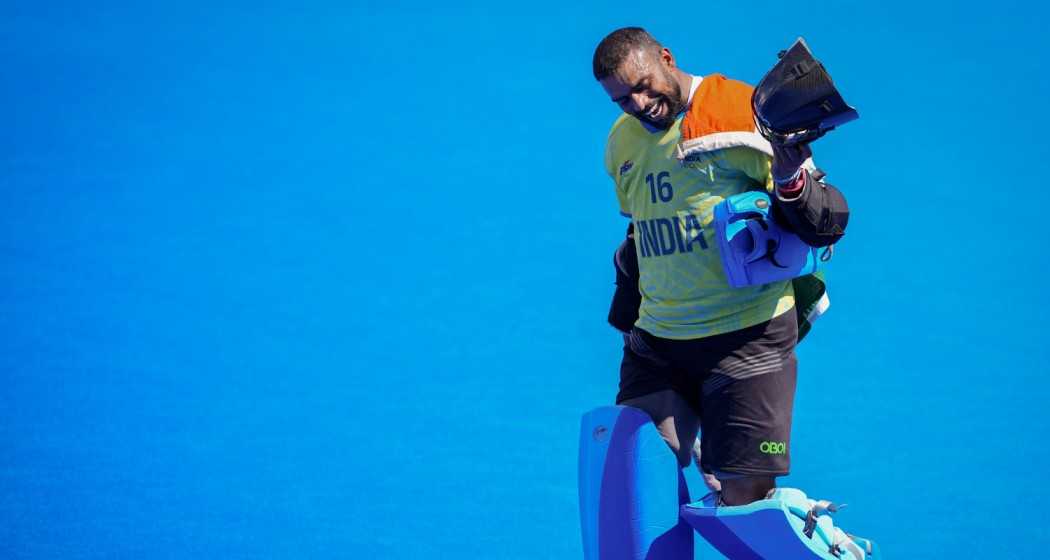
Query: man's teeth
{"type": "Point", "coordinates": [652, 112]}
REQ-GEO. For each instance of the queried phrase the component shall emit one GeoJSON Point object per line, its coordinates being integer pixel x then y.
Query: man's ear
{"type": "Point", "coordinates": [667, 58]}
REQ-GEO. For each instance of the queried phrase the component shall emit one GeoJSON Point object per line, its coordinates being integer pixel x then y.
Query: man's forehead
{"type": "Point", "coordinates": [634, 68]}
{"type": "Point", "coordinates": [637, 62]}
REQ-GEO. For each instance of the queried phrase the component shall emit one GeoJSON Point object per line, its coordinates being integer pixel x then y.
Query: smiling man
{"type": "Point", "coordinates": [697, 353]}
{"type": "Point", "coordinates": [645, 83]}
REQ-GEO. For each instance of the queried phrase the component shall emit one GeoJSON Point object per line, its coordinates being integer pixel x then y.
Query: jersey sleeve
{"type": "Point", "coordinates": [621, 198]}
{"type": "Point", "coordinates": [758, 166]}
{"type": "Point", "coordinates": [753, 163]}
{"type": "Point", "coordinates": [610, 168]}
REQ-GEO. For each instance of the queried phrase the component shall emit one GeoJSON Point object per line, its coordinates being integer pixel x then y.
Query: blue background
{"type": "Point", "coordinates": [331, 280]}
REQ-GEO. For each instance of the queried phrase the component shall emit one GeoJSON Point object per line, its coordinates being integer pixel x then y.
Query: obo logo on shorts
{"type": "Point", "coordinates": [773, 447]}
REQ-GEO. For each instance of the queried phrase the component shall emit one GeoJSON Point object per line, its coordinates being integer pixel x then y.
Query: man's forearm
{"type": "Point", "coordinates": [816, 211]}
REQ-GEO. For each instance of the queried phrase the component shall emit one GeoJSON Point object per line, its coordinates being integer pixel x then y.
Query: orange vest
{"type": "Point", "coordinates": [720, 116]}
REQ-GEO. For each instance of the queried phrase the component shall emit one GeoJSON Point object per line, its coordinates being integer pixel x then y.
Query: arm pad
{"type": "Point", "coordinates": [623, 311]}
{"type": "Point", "coordinates": [818, 216]}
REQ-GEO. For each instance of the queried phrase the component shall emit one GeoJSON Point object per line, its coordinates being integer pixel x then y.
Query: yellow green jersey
{"type": "Point", "coordinates": [684, 289]}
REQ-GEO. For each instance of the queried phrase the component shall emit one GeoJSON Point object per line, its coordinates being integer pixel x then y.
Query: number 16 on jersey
{"type": "Point", "coordinates": [659, 186]}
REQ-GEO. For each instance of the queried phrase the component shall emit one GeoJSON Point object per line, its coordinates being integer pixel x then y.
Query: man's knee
{"type": "Point", "coordinates": [676, 421]}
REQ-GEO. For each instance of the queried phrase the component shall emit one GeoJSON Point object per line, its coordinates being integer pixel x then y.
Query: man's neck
{"type": "Point", "coordinates": [685, 84]}
{"type": "Point", "coordinates": [693, 83]}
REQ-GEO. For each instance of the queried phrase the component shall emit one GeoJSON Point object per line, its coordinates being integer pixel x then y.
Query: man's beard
{"type": "Point", "coordinates": [675, 103]}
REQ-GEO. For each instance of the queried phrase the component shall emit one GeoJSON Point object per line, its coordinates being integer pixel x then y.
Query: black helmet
{"type": "Point", "coordinates": [796, 101]}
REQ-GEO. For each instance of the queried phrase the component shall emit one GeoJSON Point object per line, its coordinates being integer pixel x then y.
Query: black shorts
{"type": "Point", "coordinates": [740, 384]}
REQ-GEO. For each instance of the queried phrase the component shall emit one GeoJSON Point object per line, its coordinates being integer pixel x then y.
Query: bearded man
{"type": "Point", "coordinates": [700, 356]}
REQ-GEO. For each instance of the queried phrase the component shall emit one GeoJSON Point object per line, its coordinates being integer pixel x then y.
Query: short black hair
{"type": "Point", "coordinates": [614, 48]}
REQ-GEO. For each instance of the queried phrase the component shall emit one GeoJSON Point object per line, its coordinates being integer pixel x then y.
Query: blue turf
{"type": "Point", "coordinates": [330, 281]}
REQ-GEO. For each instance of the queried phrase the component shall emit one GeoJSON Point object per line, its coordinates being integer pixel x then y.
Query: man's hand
{"type": "Point", "coordinates": [787, 160]}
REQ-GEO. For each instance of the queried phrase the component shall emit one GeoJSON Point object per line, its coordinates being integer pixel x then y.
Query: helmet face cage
{"type": "Point", "coordinates": [790, 138]}
{"type": "Point", "coordinates": [798, 95]}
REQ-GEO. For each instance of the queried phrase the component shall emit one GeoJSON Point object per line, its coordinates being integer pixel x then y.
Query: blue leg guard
{"type": "Point", "coordinates": [785, 526]}
{"type": "Point", "coordinates": [631, 489]}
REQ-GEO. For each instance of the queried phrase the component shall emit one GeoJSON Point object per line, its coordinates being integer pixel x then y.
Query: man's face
{"type": "Point", "coordinates": [645, 87]}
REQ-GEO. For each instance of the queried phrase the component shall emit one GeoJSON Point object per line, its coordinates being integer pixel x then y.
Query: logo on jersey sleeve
{"type": "Point", "coordinates": [627, 165]}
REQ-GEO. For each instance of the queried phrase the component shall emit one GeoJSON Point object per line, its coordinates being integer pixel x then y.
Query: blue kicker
{"type": "Point", "coordinates": [774, 529]}
{"type": "Point", "coordinates": [754, 249]}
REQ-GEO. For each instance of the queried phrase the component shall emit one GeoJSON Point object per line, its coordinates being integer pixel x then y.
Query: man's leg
{"type": "Point", "coordinates": [674, 419]}
{"type": "Point", "coordinates": [746, 489]}
{"type": "Point", "coordinates": [678, 424]}
{"type": "Point", "coordinates": [646, 383]}
{"type": "Point", "coordinates": [747, 405]}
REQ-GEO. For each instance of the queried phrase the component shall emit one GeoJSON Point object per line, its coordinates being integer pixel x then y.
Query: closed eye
{"type": "Point", "coordinates": [641, 86]}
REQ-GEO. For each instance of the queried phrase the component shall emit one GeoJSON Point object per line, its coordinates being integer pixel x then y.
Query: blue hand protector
{"type": "Point", "coordinates": [755, 250]}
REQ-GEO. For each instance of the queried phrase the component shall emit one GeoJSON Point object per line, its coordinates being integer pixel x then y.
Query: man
{"type": "Point", "coordinates": [700, 354]}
